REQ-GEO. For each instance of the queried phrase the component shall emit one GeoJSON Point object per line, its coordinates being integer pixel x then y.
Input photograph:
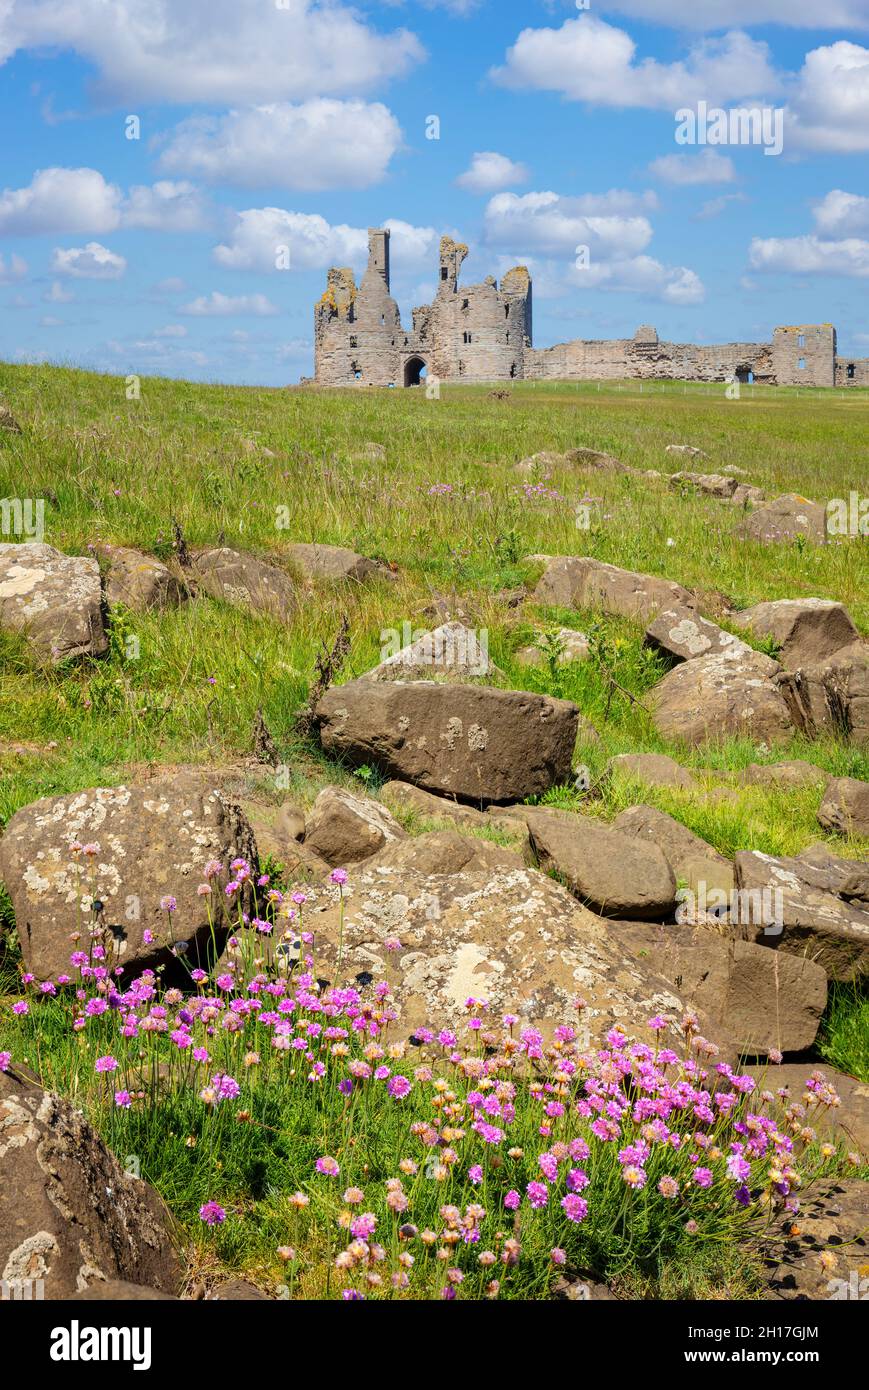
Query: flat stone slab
{"type": "Point", "coordinates": [572, 581]}
{"type": "Point", "coordinates": [246, 582]}
{"type": "Point", "coordinates": [55, 600]}
{"type": "Point", "coordinates": [805, 629]}
{"type": "Point", "coordinates": [682, 634]}
{"type": "Point", "coordinates": [612, 873]}
{"type": "Point", "coordinates": [332, 563]}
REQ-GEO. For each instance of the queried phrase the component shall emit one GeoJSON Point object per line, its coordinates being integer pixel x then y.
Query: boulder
{"type": "Point", "coordinates": [140, 582]}
{"type": "Point", "coordinates": [572, 645]}
{"type": "Point", "coordinates": [613, 874]}
{"type": "Point", "coordinates": [847, 877]}
{"type": "Point", "coordinates": [54, 599]}
{"type": "Point", "coordinates": [845, 807]}
{"type": "Point", "coordinates": [8, 421]}
{"type": "Point", "coordinates": [332, 562]}
{"type": "Point", "coordinates": [245, 582]}
{"type": "Point", "coordinates": [793, 772]}
{"type": "Point", "coordinates": [692, 860]}
{"type": "Point", "coordinates": [835, 692]}
{"type": "Point", "coordinates": [342, 828]}
{"type": "Point", "coordinates": [655, 769]}
{"type": "Point", "coordinates": [471, 742]}
{"type": "Point", "coordinates": [239, 1291]}
{"type": "Point", "coordinates": [574, 581]}
{"type": "Point", "coordinates": [805, 629]}
{"type": "Point", "coordinates": [403, 796]}
{"type": "Point", "coordinates": [69, 1214]}
{"type": "Point", "coordinates": [507, 934]}
{"type": "Point", "coordinates": [731, 693]}
{"type": "Point", "coordinates": [815, 921]}
{"type": "Point", "coordinates": [687, 450]}
{"type": "Point", "coordinates": [682, 634]}
{"type": "Point", "coordinates": [822, 1254]}
{"type": "Point", "coordinates": [451, 652]}
{"type": "Point", "coordinates": [745, 493]}
{"type": "Point", "coordinates": [152, 843]}
{"type": "Point", "coordinates": [596, 458]}
{"type": "Point", "coordinates": [784, 519]}
{"type": "Point", "coordinates": [713, 484]}
{"type": "Point", "coordinates": [757, 999]}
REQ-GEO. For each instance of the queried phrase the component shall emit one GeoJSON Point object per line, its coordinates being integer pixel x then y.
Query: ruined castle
{"type": "Point", "coordinates": [482, 333]}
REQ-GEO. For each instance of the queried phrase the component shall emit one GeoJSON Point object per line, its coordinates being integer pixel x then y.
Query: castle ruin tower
{"type": "Point", "coordinates": [378, 255]}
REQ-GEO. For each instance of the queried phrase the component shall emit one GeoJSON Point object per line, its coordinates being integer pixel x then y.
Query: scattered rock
{"type": "Point", "coordinates": [611, 873]}
{"type": "Point", "coordinates": [845, 807]}
{"type": "Point", "coordinates": [745, 493]}
{"type": "Point", "coordinates": [815, 921]}
{"type": "Point", "coordinates": [595, 458]}
{"type": "Point", "coordinates": [681, 633]}
{"type": "Point", "coordinates": [821, 1254]}
{"type": "Point", "coordinates": [572, 581]}
{"type": "Point", "coordinates": [835, 692]}
{"type": "Point", "coordinates": [692, 860]}
{"type": "Point", "coordinates": [758, 999]}
{"type": "Point", "coordinates": [54, 599]}
{"type": "Point", "coordinates": [713, 484]}
{"type": "Point", "coordinates": [573, 647]}
{"type": "Point", "coordinates": [784, 519]}
{"type": "Point", "coordinates": [8, 421]}
{"type": "Point", "coordinates": [69, 1215]}
{"type": "Point", "coordinates": [689, 450]}
{"type": "Point", "coordinates": [403, 796]}
{"type": "Point", "coordinates": [343, 828]}
{"type": "Point", "coordinates": [239, 1291]}
{"type": "Point", "coordinates": [805, 629]}
{"type": "Point", "coordinates": [246, 582]}
{"type": "Point", "coordinates": [451, 652]}
{"type": "Point", "coordinates": [153, 843]}
{"type": "Point", "coordinates": [794, 772]}
{"type": "Point", "coordinates": [472, 742]}
{"type": "Point", "coordinates": [731, 692]}
{"type": "Point", "coordinates": [140, 582]}
{"type": "Point", "coordinates": [655, 769]}
{"type": "Point", "coordinates": [332, 562]}
{"type": "Point", "coordinates": [848, 878]}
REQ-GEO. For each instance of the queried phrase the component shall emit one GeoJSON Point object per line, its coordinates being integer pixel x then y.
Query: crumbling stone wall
{"type": "Point", "coordinates": [484, 333]}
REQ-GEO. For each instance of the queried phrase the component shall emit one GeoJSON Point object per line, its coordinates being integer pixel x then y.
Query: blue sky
{"type": "Point", "coordinates": [269, 124]}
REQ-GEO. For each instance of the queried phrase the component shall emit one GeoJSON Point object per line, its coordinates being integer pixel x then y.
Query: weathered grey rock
{"type": "Point", "coordinates": [713, 484]}
{"type": "Point", "coordinates": [784, 519]}
{"type": "Point", "coordinates": [246, 582]}
{"type": "Point", "coordinates": [343, 828]}
{"type": "Point", "coordinates": [332, 562]}
{"type": "Point", "coordinates": [8, 421]}
{"type": "Point", "coordinates": [613, 874]}
{"type": "Point", "coordinates": [757, 999]}
{"type": "Point", "coordinates": [845, 807]}
{"type": "Point", "coordinates": [276, 828]}
{"type": "Point", "coordinates": [403, 796]}
{"type": "Point", "coordinates": [847, 877]}
{"type": "Point", "coordinates": [836, 693]}
{"type": "Point", "coordinates": [575, 581]}
{"type": "Point", "coordinates": [681, 633]}
{"type": "Point", "coordinates": [728, 693]}
{"type": "Point", "coordinates": [821, 1254]}
{"type": "Point", "coordinates": [746, 493]}
{"type": "Point", "coordinates": [691, 858]}
{"type": "Point", "coordinates": [655, 769]}
{"type": "Point", "coordinates": [239, 1291]}
{"type": "Point", "coordinates": [54, 599]}
{"type": "Point", "coordinates": [140, 582]}
{"type": "Point", "coordinates": [69, 1214]}
{"type": "Point", "coordinates": [507, 934]}
{"type": "Point", "coordinates": [153, 843]}
{"type": "Point", "coordinates": [472, 742]}
{"type": "Point", "coordinates": [805, 629]}
{"type": "Point", "coordinates": [573, 645]}
{"type": "Point", "coordinates": [688, 450]}
{"type": "Point", "coordinates": [450, 652]}
{"type": "Point", "coordinates": [596, 458]}
{"type": "Point", "coordinates": [793, 772]}
{"type": "Point", "coordinates": [816, 922]}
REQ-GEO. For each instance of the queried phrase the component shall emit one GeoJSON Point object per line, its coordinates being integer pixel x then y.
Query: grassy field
{"type": "Point", "coordinates": [446, 508]}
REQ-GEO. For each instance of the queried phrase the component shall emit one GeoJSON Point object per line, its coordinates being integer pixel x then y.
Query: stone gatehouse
{"type": "Point", "coordinates": [482, 333]}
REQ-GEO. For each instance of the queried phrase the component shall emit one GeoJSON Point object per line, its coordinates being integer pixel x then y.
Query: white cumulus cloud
{"type": "Point", "coordinates": [217, 305]}
{"type": "Point", "coordinates": [552, 225]}
{"type": "Point", "coordinates": [90, 262]}
{"type": "Point", "coordinates": [810, 255]}
{"type": "Point", "coordinates": [14, 269]}
{"type": "Point", "coordinates": [61, 200]}
{"type": "Point", "coordinates": [488, 172]}
{"type": "Point", "coordinates": [719, 14]}
{"type": "Point", "coordinates": [685, 169]}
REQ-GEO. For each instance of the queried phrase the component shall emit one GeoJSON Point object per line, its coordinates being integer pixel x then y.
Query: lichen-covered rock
{"type": "Point", "coordinates": [152, 843]}
{"type": "Point", "coordinates": [343, 828]}
{"type": "Point", "coordinates": [816, 921]}
{"type": "Point", "coordinates": [836, 693]}
{"type": "Point", "coordinates": [574, 581]}
{"type": "Point", "coordinates": [784, 519]}
{"type": "Point", "coordinates": [792, 772]}
{"type": "Point", "coordinates": [332, 562]}
{"type": "Point", "coordinates": [682, 634]}
{"type": "Point", "coordinates": [69, 1214]}
{"type": "Point", "coordinates": [805, 629]}
{"type": "Point", "coordinates": [713, 484]}
{"type": "Point", "coordinates": [729, 693]}
{"type": "Point", "coordinates": [472, 742]}
{"type": "Point", "coordinates": [140, 582]}
{"type": "Point", "coordinates": [54, 599]}
{"type": "Point", "coordinates": [612, 873]}
{"type": "Point", "coordinates": [450, 652]}
{"type": "Point", "coordinates": [246, 582]}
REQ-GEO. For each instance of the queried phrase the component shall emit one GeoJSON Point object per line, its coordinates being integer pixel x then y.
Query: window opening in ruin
{"type": "Point", "coordinates": [466, 338]}
{"type": "Point", "coordinates": [801, 340]}
{"type": "Point", "coordinates": [506, 311]}
{"type": "Point", "coordinates": [508, 335]}
{"type": "Point", "coordinates": [414, 371]}
{"type": "Point", "coordinates": [354, 342]}
{"type": "Point", "coordinates": [851, 372]}
{"type": "Point", "coordinates": [802, 364]}
{"type": "Point", "coordinates": [513, 369]}
{"type": "Point", "coordinates": [466, 304]}
{"type": "Point", "coordinates": [382, 320]}
{"type": "Point", "coordinates": [444, 272]}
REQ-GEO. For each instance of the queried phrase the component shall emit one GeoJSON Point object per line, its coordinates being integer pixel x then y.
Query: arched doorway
{"type": "Point", "coordinates": [414, 371]}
